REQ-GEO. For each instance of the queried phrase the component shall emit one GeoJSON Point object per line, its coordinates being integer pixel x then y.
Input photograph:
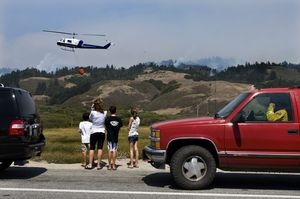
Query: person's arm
{"type": "Point", "coordinates": [79, 129]}
{"type": "Point", "coordinates": [91, 116]}
{"type": "Point", "coordinates": [130, 123]}
{"type": "Point", "coordinates": [272, 116]}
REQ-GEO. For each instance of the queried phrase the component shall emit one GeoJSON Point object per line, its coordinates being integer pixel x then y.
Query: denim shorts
{"type": "Point", "coordinates": [112, 146]}
{"type": "Point", "coordinates": [133, 138]}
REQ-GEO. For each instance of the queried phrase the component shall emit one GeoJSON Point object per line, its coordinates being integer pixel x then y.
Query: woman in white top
{"type": "Point", "coordinates": [97, 117]}
{"type": "Point", "coordinates": [133, 126]}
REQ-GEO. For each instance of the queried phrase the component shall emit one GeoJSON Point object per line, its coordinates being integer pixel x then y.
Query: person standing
{"type": "Point", "coordinates": [113, 123]}
{"type": "Point", "coordinates": [85, 128]}
{"type": "Point", "coordinates": [97, 117]}
{"type": "Point", "coordinates": [133, 137]}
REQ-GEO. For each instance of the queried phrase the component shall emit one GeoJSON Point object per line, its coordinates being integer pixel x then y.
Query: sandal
{"type": "Point", "coordinates": [99, 167]}
{"type": "Point", "coordinates": [136, 166]}
{"type": "Point", "coordinates": [130, 166]}
{"type": "Point", "coordinates": [89, 166]}
{"type": "Point", "coordinates": [114, 167]}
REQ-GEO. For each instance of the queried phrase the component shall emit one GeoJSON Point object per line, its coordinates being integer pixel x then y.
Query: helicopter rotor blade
{"type": "Point", "coordinates": [66, 33]}
{"type": "Point", "coordinates": [100, 35]}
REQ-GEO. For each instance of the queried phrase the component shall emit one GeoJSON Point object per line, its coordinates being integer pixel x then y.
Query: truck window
{"type": "Point", "coordinates": [26, 103]}
{"type": "Point", "coordinates": [224, 112]}
{"type": "Point", "coordinates": [7, 104]}
{"type": "Point", "coordinates": [269, 107]}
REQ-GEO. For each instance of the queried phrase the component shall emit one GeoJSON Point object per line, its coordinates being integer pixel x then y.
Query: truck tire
{"type": "Point", "coordinates": [4, 164]}
{"type": "Point", "coordinates": [193, 167]}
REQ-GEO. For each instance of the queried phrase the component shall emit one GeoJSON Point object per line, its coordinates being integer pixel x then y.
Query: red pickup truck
{"type": "Point", "coordinates": [256, 131]}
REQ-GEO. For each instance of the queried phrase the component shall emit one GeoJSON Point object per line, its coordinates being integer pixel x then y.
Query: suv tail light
{"type": "Point", "coordinates": [16, 128]}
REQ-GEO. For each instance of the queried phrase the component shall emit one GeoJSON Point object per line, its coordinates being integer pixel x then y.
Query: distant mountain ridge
{"type": "Point", "coordinates": [216, 62]}
{"type": "Point", "coordinates": [4, 71]}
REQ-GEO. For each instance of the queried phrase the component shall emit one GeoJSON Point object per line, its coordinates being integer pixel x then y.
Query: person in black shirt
{"type": "Point", "coordinates": [113, 123]}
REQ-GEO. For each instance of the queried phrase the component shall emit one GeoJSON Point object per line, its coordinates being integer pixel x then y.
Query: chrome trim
{"type": "Point", "coordinates": [192, 138]}
{"type": "Point", "coordinates": [154, 139]}
{"type": "Point", "coordinates": [257, 155]}
{"type": "Point", "coordinates": [157, 157]}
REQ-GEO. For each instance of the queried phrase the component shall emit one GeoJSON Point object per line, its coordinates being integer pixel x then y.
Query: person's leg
{"type": "Point", "coordinates": [85, 154]}
{"type": "Point", "coordinates": [92, 151]}
{"type": "Point", "coordinates": [83, 158]}
{"type": "Point", "coordinates": [136, 149]}
{"type": "Point", "coordinates": [114, 157]}
{"type": "Point", "coordinates": [131, 154]}
{"type": "Point", "coordinates": [99, 155]}
{"type": "Point", "coordinates": [109, 148]}
{"type": "Point", "coordinates": [113, 161]}
{"type": "Point", "coordinates": [91, 157]}
{"type": "Point", "coordinates": [101, 139]}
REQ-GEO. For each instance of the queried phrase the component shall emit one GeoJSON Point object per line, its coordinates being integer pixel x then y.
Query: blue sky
{"type": "Point", "coordinates": [142, 31]}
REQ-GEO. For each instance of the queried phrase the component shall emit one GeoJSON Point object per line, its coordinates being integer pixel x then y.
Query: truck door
{"type": "Point", "coordinates": [257, 140]}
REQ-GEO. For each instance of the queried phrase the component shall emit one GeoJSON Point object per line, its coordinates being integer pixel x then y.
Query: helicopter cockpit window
{"type": "Point", "coordinates": [69, 41]}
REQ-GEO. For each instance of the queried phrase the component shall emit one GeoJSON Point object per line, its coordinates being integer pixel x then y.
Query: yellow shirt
{"type": "Point", "coordinates": [280, 115]}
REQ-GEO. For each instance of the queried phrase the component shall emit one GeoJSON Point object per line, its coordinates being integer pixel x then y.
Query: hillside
{"type": "Point", "coordinates": [176, 94]}
{"type": "Point", "coordinates": [187, 90]}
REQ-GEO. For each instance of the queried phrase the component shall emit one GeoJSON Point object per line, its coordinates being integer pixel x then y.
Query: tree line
{"type": "Point", "coordinates": [263, 74]}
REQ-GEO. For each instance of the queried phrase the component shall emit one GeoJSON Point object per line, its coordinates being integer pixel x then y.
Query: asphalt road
{"type": "Point", "coordinates": [40, 180]}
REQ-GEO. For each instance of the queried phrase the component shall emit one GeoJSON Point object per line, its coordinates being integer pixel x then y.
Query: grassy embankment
{"type": "Point", "coordinates": [64, 145]}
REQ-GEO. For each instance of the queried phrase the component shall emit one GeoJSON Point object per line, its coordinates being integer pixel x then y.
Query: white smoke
{"type": "Point", "coordinates": [216, 62]}
{"type": "Point", "coordinates": [48, 63]}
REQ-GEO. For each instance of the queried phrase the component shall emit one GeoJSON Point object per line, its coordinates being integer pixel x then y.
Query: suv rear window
{"type": "Point", "coordinates": [26, 103]}
{"type": "Point", "coordinates": [7, 104]}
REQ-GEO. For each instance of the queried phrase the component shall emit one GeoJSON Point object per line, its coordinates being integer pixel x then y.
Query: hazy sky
{"type": "Point", "coordinates": [153, 30]}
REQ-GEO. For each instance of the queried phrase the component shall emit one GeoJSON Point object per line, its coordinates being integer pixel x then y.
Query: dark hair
{"type": "Point", "coordinates": [99, 105]}
{"type": "Point", "coordinates": [134, 112]}
{"type": "Point", "coordinates": [85, 116]}
{"type": "Point", "coordinates": [112, 109]}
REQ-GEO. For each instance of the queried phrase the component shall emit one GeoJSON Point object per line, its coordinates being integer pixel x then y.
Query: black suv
{"type": "Point", "coordinates": [21, 134]}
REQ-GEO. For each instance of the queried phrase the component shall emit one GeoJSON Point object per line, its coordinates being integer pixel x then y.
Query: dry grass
{"type": "Point", "coordinates": [63, 145]}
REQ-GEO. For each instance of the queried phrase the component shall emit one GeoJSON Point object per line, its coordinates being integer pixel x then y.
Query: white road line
{"type": "Point", "coordinates": [149, 193]}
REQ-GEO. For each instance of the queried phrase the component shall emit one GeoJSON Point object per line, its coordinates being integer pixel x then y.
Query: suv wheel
{"type": "Point", "coordinates": [4, 164]}
{"type": "Point", "coordinates": [193, 167]}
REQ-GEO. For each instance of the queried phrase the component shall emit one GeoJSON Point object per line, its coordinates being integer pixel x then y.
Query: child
{"type": "Point", "coordinates": [133, 134]}
{"type": "Point", "coordinates": [85, 128]}
{"type": "Point", "coordinates": [113, 123]}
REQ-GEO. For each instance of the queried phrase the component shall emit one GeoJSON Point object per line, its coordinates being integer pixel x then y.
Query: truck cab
{"type": "Point", "coordinates": [256, 131]}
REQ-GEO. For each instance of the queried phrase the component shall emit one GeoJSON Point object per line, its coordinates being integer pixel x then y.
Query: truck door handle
{"type": "Point", "coordinates": [293, 131]}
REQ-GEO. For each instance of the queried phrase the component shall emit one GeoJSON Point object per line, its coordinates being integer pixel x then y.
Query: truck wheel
{"type": "Point", "coordinates": [193, 167]}
{"type": "Point", "coordinates": [4, 164]}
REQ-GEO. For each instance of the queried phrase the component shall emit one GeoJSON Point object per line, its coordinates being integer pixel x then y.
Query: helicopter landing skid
{"type": "Point", "coordinates": [68, 49]}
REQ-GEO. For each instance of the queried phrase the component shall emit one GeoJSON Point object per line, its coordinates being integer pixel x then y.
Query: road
{"type": "Point", "coordinates": [47, 181]}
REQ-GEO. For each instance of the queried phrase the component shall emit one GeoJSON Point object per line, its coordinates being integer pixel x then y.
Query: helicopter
{"type": "Point", "coordinates": [69, 44]}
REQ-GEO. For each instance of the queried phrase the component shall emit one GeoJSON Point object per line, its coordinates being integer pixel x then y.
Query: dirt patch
{"type": "Point", "coordinates": [168, 111]}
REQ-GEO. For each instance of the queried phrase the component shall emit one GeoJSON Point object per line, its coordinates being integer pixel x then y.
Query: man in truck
{"type": "Point", "coordinates": [275, 116]}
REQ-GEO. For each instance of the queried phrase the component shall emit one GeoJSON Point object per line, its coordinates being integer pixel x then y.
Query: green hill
{"type": "Point", "coordinates": [159, 90]}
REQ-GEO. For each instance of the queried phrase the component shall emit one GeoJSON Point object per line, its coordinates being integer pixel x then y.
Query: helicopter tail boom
{"type": "Point", "coordinates": [90, 46]}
